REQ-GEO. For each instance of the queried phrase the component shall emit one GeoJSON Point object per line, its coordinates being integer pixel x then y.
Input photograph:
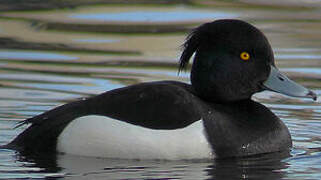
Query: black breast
{"type": "Point", "coordinates": [244, 128]}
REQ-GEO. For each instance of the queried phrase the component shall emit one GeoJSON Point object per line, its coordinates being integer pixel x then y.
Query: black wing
{"type": "Point", "coordinates": [155, 105]}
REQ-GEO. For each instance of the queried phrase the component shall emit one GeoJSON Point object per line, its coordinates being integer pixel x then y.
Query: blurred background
{"type": "Point", "coordinates": [55, 51]}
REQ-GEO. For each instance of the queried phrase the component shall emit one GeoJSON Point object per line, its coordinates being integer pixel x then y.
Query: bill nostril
{"type": "Point", "coordinates": [281, 78]}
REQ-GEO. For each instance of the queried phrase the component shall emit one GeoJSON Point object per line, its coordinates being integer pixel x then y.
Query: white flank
{"type": "Point", "coordinates": [100, 136]}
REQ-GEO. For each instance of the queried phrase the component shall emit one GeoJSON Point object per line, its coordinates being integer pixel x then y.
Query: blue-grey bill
{"type": "Point", "coordinates": [278, 82]}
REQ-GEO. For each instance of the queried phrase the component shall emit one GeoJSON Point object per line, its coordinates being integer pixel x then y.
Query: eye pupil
{"type": "Point", "coordinates": [245, 56]}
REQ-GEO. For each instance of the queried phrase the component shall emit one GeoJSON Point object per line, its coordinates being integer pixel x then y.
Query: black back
{"type": "Point", "coordinates": [155, 105]}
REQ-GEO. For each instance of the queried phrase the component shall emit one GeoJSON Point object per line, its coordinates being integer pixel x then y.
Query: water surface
{"type": "Point", "coordinates": [154, 16]}
{"type": "Point", "coordinates": [56, 56]}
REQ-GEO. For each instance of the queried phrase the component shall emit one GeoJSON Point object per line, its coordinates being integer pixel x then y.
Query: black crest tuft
{"type": "Point", "coordinates": [193, 42]}
{"type": "Point", "coordinates": [189, 47]}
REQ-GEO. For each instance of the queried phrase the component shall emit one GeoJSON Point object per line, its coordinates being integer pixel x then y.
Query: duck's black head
{"type": "Point", "coordinates": [233, 60]}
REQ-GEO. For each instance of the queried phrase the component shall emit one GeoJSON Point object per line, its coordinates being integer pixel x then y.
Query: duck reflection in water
{"type": "Point", "coordinates": [270, 166]}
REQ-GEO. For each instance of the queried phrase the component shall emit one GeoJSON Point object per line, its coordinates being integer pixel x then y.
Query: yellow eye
{"type": "Point", "coordinates": [245, 56]}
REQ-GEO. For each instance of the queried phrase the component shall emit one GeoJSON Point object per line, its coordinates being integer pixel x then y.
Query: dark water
{"type": "Point", "coordinates": [50, 57]}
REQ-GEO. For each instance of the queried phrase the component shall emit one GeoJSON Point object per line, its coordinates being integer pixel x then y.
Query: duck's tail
{"type": "Point", "coordinates": [42, 134]}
